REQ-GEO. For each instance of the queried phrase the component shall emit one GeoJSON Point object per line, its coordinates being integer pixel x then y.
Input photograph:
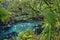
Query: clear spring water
{"type": "Point", "coordinates": [21, 26]}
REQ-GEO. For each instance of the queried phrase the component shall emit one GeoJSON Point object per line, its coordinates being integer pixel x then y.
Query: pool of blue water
{"type": "Point", "coordinates": [21, 27]}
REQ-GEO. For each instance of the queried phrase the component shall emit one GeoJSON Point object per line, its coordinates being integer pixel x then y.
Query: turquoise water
{"type": "Point", "coordinates": [22, 27]}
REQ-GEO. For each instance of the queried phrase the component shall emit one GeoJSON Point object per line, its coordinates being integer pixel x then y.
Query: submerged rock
{"type": "Point", "coordinates": [10, 35]}
{"type": "Point", "coordinates": [37, 29]}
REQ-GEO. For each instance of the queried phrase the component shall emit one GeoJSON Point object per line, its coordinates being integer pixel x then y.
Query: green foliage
{"type": "Point", "coordinates": [49, 15]}
{"type": "Point", "coordinates": [2, 1]}
{"type": "Point", "coordinates": [4, 14]}
{"type": "Point", "coordinates": [50, 9]}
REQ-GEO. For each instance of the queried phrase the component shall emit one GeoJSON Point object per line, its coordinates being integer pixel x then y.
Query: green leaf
{"type": "Point", "coordinates": [4, 14]}
{"type": "Point", "coordinates": [49, 15]}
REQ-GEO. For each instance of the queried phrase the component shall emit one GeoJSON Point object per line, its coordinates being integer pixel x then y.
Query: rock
{"type": "Point", "coordinates": [37, 29]}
